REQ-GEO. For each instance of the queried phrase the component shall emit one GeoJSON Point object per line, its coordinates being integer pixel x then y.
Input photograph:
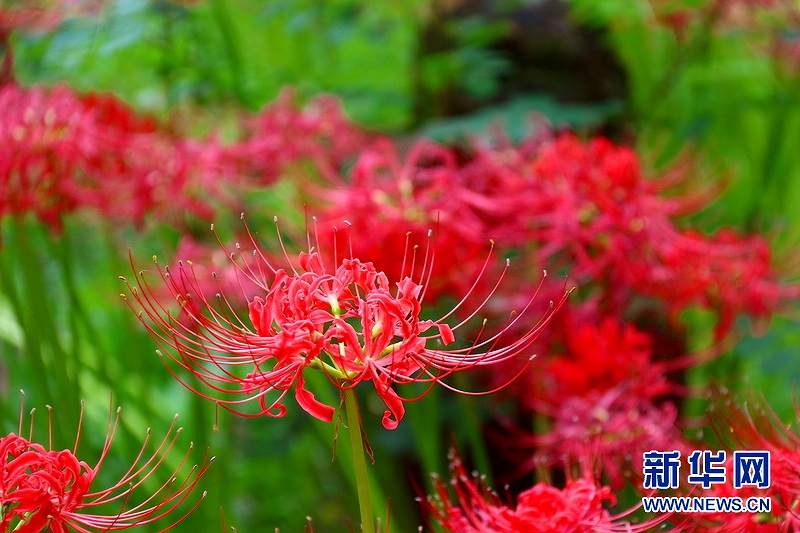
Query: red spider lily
{"type": "Point", "coordinates": [61, 151]}
{"type": "Point", "coordinates": [782, 518]}
{"type": "Point", "coordinates": [755, 427]}
{"type": "Point", "coordinates": [603, 396]}
{"type": "Point", "coordinates": [282, 136]}
{"type": "Point", "coordinates": [43, 489]}
{"type": "Point", "coordinates": [600, 357]}
{"type": "Point", "coordinates": [345, 321]}
{"type": "Point", "coordinates": [568, 204]}
{"type": "Point", "coordinates": [610, 430]}
{"type": "Point", "coordinates": [596, 211]}
{"type": "Point", "coordinates": [580, 507]}
{"type": "Point", "coordinates": [589, 354]}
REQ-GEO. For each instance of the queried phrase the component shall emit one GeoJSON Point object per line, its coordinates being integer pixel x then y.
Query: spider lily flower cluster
{"type": "Point", "coordinates": [587, 206]}
{"type": "Point", "coordinates": [579, 507]}
{"type": "Point", "coordinates": [63, 151]}
{"type": "Point", "coordinates": [347, 322]}
{"type": "Point", "coordinates": [42, 489]}
{"type": "Point", "coordinates": [753, 425]}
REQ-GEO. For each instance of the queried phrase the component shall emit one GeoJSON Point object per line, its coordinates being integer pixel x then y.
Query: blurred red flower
{"type": "Point", "coordinates": [283, 137]}
{"type": "Point", "coordinates": [580, 507]}
{"type": "Point", "coordinates": [601, 356]}
{"type": "Point", "coordinates": [583, 207]}
{"type": "Point", "coordinates": [611, 430]}
{"type": "Point", "coordinates": [61, 151]}
{"type": "Point", "coordinates": [754, 426]}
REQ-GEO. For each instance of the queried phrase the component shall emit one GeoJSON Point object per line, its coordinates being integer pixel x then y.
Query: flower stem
{"type": "Point", "coordinates": [359, 461]}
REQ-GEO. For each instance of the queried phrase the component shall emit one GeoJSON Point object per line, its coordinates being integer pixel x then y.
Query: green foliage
{"type": "Point", "coordinates": [721, 85]}
{"type": "Point", "coordinates": [158, 54]}
{"type": "Point", "coordinates": [517, 117]}
{"type": "Point", "coordinates": [768, 363]}
{"type": "Point", "coordinates": [470, 64]}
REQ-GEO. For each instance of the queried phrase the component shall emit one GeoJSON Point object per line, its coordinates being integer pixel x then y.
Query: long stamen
{"type": "Point", "coordinates": [49, 427]}
{"type": "Point", "coordinates": [478, 278]}
{"type": "Point", "coordinates": [255, 244]}
{"type": "Point", "coordinates": [316, 237]}
{"type": "Point", "coordinates": [335, 246]}
{"type": "Point", "coordinates": [405, 256]}
{"type": "Point", "coordinates": [283, 246]}
{"type": "Point", "coordinates": [426, 274]}
{"type": "Point", "coordinates": [30, 430]}
{"type": "Point", "coordinates": [349, 240]}
{"type": "Point", "coordinates": [21, 410]}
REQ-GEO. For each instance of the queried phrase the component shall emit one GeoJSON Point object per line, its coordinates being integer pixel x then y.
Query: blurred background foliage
{"type": "Point", "coordinates": [720, 78]}
{"type": "Point", "coordinates": [678, 79]}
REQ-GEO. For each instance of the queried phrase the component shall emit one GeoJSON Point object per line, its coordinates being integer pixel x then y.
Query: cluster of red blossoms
{"type": "Point", "coordinates": [585, 208]}
{"type": "Point", "coordinates": [579, 207]}
{"type": "Point", "coordinates": [284, 139]}
{"type": "Point", "coordinates": [568, 205]}
{"type": "Point", "coordinates": [62, 151]}
{"type": "Point", "coordinates": [580, 507]}
{"type": "Point", "coordinates": [344, 320]}
{"type": "Point", "coordinates": [605, 398]}
{"type": "Point", "coordinates": [51, 490]}
{"type": "Point", "coordinates": [467, 505]}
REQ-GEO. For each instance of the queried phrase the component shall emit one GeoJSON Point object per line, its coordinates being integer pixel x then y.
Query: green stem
{"type": "Point", "coordinates": [359, 461]}
{"type": "Point", "coordinates": [23, 521]}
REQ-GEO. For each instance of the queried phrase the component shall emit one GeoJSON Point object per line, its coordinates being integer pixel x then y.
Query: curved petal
{"type": "Point", "coordinates": [391, 418]}
{"type": "Point", "coordinates": [309, 403]}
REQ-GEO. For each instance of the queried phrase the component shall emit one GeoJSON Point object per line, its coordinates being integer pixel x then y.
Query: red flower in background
{"type": "Point", "coordinates": [611, 430]}
{"type": "Point", "coordinates": [605, 400]}
{"type": "Point", "coordinates": [580, 507]}
{"type": "Point", "coordinates": [566, 205]}
{"type": "Point", "coordinates": [391, 202]}
{"type": "Point", "coordinates": [316, 139]}
{"type": "Point", "coordinates": [50, 490]}
{"type": "Point", "coordinates": [61, 152]}
{"type": "Point", "coordinates": [346, 321]}
{"type": "Point", "coordinates": [601, 357]}
{"type": "Point", "coordinates": [599, 217]}
{"type": "Point", "coordinates": [755, 426]}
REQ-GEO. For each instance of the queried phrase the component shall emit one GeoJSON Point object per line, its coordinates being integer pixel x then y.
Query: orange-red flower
{"type": "Point", "coordinates": [347, 322]}
{"type": "Point", "coordinates": [754, 426]}
{"type": "Point", "coordinates": [51, 490]}
{"type": "Point", "coordinates": [580, 507]}
{"type": "Point", "coordinates": [61, 151]}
